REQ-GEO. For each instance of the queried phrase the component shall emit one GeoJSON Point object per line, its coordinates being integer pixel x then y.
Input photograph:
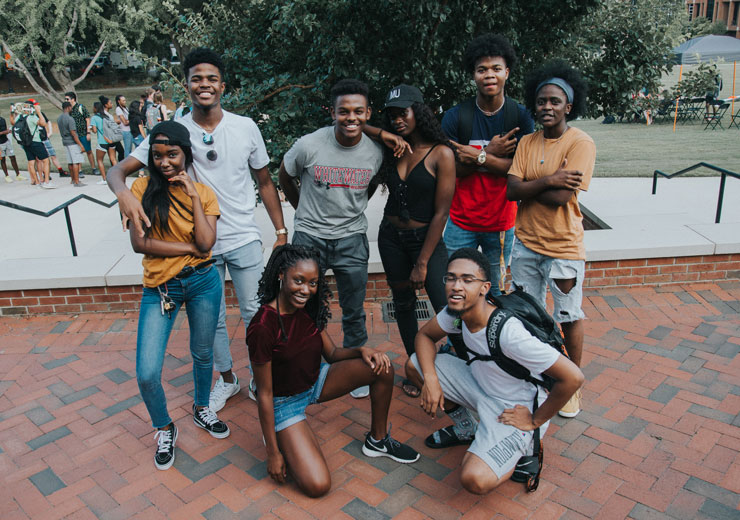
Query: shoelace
{"type": "Point", "coordinates": [219, 390]}
{"type": "Point", "coordinates": [207, 416]}
{"type": "Point", "coordinates": [164, 440]}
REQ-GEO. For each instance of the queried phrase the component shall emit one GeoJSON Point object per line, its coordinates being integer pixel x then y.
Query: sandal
{"type": "Point", "coordinates": [410, 388]}
{"type": "Point", "coordinates": [446, 437]}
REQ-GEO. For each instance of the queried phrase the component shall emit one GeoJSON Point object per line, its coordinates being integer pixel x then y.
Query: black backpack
{"type": "Point", "coordinates": [22, 133]}
{"type": "Point", "coordinates": [467, 113]}
{"type": "Point", "coordinates": [541, 325]}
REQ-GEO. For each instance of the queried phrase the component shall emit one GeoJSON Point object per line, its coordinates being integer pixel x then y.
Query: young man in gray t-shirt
{"type": "Point", "coordinates": [336, 166]}
{"type": "Point", "coordinates": [72, 144]}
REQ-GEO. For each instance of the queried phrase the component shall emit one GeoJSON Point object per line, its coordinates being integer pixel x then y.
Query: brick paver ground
{"type": "Point", "coordinates": [659, 436]}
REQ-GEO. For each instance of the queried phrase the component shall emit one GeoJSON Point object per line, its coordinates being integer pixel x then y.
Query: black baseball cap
{"type": "Point", "coordinates": [403, 96]}
{"type": "Point", "coordinates": [176, 134]}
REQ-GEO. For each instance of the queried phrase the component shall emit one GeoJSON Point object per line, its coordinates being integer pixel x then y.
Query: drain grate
{"type": "Point", "coordinates": [423, 310]}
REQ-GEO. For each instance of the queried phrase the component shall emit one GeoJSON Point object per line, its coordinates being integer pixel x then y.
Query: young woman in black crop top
{"type": "Point", "coordinates": [420, 187]}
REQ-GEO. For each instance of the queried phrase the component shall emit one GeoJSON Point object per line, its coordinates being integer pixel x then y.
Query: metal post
{"type": "Point", "coordinates": [655, 181]}
{"type": "Point", "coordinates": [69, 230]}
{"type": "Point", "coordinates": [721, 196]}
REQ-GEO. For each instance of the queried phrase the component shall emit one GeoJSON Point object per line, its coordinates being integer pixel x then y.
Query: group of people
{"type": "Point", "coordinates": [114, 129]}
{"type": "Point", "coordinates": [475, 181]}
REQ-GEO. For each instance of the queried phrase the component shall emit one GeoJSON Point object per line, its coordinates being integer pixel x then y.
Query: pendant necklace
{"type": "Point", "coordinates": [542, 160]}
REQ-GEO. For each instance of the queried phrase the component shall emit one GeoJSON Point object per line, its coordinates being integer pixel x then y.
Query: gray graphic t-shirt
{"type": "Point", "coordinates": [334, 181]}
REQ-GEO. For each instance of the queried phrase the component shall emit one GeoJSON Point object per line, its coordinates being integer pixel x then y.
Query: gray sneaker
{"type": "Point", "coordinates": [360, 392]}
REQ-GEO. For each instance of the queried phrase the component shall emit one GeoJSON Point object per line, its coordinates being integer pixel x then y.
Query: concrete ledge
{"type": "Point", "coordinates": [725, 236]}
{"type": "Point", "coordinates": [647, 242]}
{"type": "Point", "coordinates": [55, 273]}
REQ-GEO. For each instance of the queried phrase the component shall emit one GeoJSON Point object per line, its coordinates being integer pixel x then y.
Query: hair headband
{"type": "Point", "coordinates": [560, 82]}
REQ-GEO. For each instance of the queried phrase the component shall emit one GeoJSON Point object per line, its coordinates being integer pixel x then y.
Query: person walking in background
{"type": "Point", "coordinates": [45, 138]}
{"type": "Point", "coordinates": [122, 118]}
{"type": "Point", "coordinates": [36, 154]}
{"type": "Point", "coordinates": [6, 150]}
{"type": "Point", "coordinates": [178, 269]}
{"type": "Point", "coordinates": [550, 167]}
{"type": "Point", "coordinates": [72, 144]}
{"type": "Point", "coordinates": [420, 188]}
{"type": "Point", "coordinates": [160, 106]}
{"type": "Point", "coordinates": [103, 144]}
{"type": "Point", "coordinates": [136, 123]}
{"type": "Point", "coordinates": [82, 119]}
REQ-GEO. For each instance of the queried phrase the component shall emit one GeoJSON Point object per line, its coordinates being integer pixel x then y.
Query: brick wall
{"type": "Point", "coordinates": [614, 273]}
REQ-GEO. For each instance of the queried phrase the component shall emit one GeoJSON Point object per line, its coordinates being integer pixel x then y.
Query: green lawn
{"type": "Point", "coordinates": [622, 149]}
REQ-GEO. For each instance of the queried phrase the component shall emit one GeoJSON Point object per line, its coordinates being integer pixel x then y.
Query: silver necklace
{"type": "Point", "coordinates": [487, 113]}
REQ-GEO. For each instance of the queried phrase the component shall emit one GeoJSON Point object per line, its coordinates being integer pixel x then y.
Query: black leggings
{"type": "Point", "coordinates": [399, 250]}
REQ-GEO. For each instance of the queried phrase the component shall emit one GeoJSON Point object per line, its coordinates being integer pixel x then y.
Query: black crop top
{"type": "Point", "coordinates": [414, 197]}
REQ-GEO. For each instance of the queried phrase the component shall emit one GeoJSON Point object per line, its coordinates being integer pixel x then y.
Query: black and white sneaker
{"type": "Point", "coordinates": [208, 420]}
{"type": "Point", "coordinates": [389, 447]}
{"type": "Point", "coordinates": [165, 456]}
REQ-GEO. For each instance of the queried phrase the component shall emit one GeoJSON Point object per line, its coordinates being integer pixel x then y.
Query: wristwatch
{"type": "Point", "coordinates": [481, 159]}
{"type": "Point", "coordinates": [281, 231]}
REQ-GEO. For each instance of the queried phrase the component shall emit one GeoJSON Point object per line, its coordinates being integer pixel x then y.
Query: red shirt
{"type": "Point", "coordinates": [295, 362]}
{"type": "Point", "coordinates": [480, 203]}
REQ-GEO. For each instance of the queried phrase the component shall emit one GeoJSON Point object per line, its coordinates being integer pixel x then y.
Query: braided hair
{"type": "Point", "coordinates": [282, 259]}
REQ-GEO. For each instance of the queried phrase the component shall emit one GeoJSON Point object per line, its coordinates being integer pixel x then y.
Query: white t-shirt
{"type": "Point", "coordinates": [122, 112]}
{"type": "Point", "coordinates": [239, 146]}
{"type": "Point", "coordinates": [516, 343]}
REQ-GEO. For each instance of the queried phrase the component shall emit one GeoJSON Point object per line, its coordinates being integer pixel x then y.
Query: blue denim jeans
{"type": "Point", "coordinates": [245, 268]}
{"type": "Point", "coordinates": [496, 245]}
{"type": "Point", "coordinates": [128, 142]}
{"type": "Point", "coordinates": [201, 293]}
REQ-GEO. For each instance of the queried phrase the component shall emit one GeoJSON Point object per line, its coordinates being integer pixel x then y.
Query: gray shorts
{"type": "Point", "coordinates": [498, 445]}
{"type": "Point", "coordinates": [74, 155]}
{"type": "Point", "coordinates": [6, 148]}
{"type": "Point", "coordinates": [534, 273]}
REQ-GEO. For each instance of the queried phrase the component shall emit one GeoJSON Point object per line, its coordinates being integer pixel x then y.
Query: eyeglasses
{"type": "Point", "coordinates": [207, 138]}
{"type": "Point", "coordinates": [465, 279]}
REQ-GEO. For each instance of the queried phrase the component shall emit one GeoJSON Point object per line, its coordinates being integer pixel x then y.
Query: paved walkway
{"type": "Point", "coordinates": [659, 436]}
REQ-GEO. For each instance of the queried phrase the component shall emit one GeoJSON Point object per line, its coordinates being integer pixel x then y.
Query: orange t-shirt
{"type": "Point", "coordinates": [159, 269]}
{"type": "Point", "coordinates": [553, 231]}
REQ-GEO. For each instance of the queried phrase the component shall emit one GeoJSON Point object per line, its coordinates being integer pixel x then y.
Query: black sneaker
{"type": "Point", "coordinates": [389, 447]}
{"type": "Point", "coordinates": [208, 420]}
{"type": "Point", "coordinates": [165, 456]}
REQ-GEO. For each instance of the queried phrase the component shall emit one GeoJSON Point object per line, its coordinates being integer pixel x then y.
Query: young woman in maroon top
{"type": "Point", "coordinates": [286, 340]}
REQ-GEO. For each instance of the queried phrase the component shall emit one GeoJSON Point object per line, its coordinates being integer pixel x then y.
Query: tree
{"type": "Point", "coordinates": [283, 56]}
{"type": "Point", "coordinates": [623, 46]}
{"type": "Point", "coordinates": [42, 38]}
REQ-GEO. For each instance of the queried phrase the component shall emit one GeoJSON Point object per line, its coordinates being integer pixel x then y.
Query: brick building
{"type": "Point", "coordinates": [727, 11]}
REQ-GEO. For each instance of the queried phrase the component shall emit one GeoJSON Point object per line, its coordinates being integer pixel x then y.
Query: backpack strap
{"type": "Point", "coordinates": [465, 117]}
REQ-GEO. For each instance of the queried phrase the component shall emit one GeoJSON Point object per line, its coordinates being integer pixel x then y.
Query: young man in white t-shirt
{"type": "Point", "coordinates": [503, 403]}
{"type": "Point", "coordinates": [228, 150]}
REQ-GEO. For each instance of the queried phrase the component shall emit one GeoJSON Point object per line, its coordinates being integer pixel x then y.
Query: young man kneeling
{"type": "Point", "coordinates": [503, 403]}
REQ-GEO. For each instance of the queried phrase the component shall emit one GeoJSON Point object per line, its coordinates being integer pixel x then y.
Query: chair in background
{"type": "Point", "coordinates": [714, 120]}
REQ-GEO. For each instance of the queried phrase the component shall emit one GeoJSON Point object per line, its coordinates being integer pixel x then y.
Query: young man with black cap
{"type": "Point", "coordinates": [336, 165]}
{"type": "Point", "coordinates": [227, 151]}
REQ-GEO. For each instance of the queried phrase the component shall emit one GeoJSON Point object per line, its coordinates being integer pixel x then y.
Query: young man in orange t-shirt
{"type": "Point", "coordinates": [549, 168]}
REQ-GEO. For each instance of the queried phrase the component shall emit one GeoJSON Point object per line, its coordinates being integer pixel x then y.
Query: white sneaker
{"type": "Point", "coordinates": [8, 179]}
{"type": "Point", "coordinates": [101, 182]}
{"type": "Point", "coordinates": [21, 178]}
{"type": "Point", "coordinates": [360, 392]}
{"type": "Point", "coordinates": [252, 389]}
{"type": "Point", "coordinates": [221, 392]}
{"type": "Point", "coordinates": [50, 185]}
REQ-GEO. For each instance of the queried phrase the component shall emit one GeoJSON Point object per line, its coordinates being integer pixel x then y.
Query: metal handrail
{"type": "Point", "coordinates": [65, 207]}
{"type": "Point", "coordinates": [720, 197]}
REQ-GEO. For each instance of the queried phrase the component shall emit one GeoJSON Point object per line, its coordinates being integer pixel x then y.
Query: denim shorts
{"type": "Point", "coordinates": [291, 409]}
{"type": "Point", "coordinates": [534, 272]}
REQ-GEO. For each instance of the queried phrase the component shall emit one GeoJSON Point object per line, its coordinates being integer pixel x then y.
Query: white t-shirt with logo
{"type": "Point", "coordinates": [517, 344]}
{"type": "Point", "coordinates": [239, 146]}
